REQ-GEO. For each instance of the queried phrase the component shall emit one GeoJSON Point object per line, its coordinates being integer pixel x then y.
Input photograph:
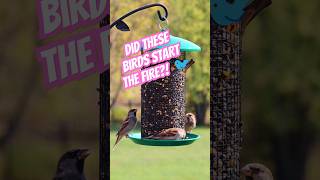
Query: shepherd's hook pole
{"type": "Point", "coordinates": [104, 98]}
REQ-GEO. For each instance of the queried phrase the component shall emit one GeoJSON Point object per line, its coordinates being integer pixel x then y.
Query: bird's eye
{"type": "Point", "coordinates": [230, 1]}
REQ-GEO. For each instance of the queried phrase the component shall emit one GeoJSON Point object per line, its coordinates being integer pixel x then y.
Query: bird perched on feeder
{"type": "Point", "coordinates": [71, 165]}
{"type": "Point", "coordinates": [191, 122]}
{"type": "Point", "coordinates": [127, 125]}
{"type": "Point", "coordinates": [256, 171]}
{"type": "Point", "coordinates": [169, 134]}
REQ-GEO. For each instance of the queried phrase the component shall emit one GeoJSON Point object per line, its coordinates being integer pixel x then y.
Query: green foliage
{"type": "Point", "coordinates": [193, 23]}
{"type": "Point", "coordinates": [281, 67]}
{"type": "Point", "coordinates": [119, 113]}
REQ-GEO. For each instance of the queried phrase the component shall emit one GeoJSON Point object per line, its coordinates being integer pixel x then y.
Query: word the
{"type": "Point", "coordinates": [74, 58]}
{"type": "Point", "coordinates": [55, 15]}
{"type": "Point", "coordinates": [146, 75]}
{"type": "Point", "coordinates": [150, 58]}
{"type": "Point", "coordinates": [147, 43]}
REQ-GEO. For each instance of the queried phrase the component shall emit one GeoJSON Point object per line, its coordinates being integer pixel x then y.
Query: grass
{"type": "Point", "coordinates": [135, 162]}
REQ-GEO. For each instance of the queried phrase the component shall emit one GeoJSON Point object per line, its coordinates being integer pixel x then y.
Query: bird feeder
{"type": "Point", "coordinates": [163, 103]}
{"type": "Point", "coordinates": [225, 101]}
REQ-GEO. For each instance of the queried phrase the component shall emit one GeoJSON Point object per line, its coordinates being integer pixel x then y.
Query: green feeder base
{"type": "Point", "coordinates": [136, 138]}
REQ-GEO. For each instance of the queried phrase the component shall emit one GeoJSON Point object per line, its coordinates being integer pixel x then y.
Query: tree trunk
{"type": "Point", "coordinates": [201, 110]}
{"type": "Point", "coordinates": [290, 157]}
{"type": "Point", "coordinates": [291, 149]}
{"type": "Point", "coordinates": [225, 101]}
{"type": "Point", "coordinates": [8, 171]}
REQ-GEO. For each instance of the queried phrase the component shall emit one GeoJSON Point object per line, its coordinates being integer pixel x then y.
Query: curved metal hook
{"type": "Point", "coordinates": [162, 18]}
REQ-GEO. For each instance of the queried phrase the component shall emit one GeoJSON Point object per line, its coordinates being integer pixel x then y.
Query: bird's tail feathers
{"type": "Point", "coordinates": [119, 137]}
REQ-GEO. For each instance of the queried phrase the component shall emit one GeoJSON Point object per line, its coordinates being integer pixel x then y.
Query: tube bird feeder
{"type": "Point", "coordinates": [225, 101]}
{"type": "Point", "coordinates": [163, 101]}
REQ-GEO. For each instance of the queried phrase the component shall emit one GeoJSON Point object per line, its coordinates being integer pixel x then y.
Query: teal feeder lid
{"type": "Point", "coordinates": [190, 138]}
{"type": "Point", "coordinates": [185, 45]}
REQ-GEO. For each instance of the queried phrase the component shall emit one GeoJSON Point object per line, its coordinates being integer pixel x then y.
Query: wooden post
{"type": "Point", "coordinates": [104, 118]}
{"type": "Point", "coordinates": [225, 101]}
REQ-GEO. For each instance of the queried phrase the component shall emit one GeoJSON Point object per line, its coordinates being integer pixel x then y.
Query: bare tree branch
{"type": "Point", "coordinates": [252, 10]}
{"type": "Point", "coordinates": [21, 106]}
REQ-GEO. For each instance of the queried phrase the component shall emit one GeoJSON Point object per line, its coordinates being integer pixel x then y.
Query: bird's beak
{"type": "Point", "coordinates": [84, 154]}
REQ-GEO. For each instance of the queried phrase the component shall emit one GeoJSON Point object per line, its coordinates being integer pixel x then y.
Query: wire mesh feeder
{"type": "Point", "coordinates": [225, 93]}
{"type": "Point", "coordinates": [163, 102]}
{"type": "Point", "coordinates": [225, 99]}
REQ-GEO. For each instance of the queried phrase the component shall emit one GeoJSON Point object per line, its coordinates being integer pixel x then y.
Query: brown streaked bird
{"type": "Point", "coordinates": [127, 125]}
{"type": "Point", "coordinates": [169, 134]}
{"type": "Point", "coordinates": [191, 122]}
{"type": "Point", "coordinates": [256, 171]}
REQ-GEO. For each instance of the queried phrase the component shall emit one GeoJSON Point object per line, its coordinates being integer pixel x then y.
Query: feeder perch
{"type": "Point", "coordinates": [163, 101]}
{"type": "Point", "coordinates": [136, 138]}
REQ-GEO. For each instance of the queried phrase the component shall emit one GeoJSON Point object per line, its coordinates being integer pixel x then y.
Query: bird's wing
{"type": "Point", "coordinates": [123, 125]}
{"type": "Point", "coordinates": [132, 123]}
{"type": "Point", "coordinates": [168, 132]}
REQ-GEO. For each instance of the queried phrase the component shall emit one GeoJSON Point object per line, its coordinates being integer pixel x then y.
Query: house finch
{"type": "Point", "coordinates": [191, 122]}
{"type": "Point", "coordinates": [169, 134]}
{"type": "Point", "coordinates": [255, 171]}
{"type": "Point", "coordinates": [127, 125]}
{"type": "Point", "coordinates": [71, 164]}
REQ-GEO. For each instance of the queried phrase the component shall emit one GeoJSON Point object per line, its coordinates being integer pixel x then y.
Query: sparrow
{"type": "Point", "coordinates": [255, 171]}
{"type": "Point", "coordinates": [191, 122]}
{"type": "Point", "coordinates": [169, 134]}
{"type": "Point", "coordinates": [127, 125]}
{"type": "Point", "coordinates": [71, 165]}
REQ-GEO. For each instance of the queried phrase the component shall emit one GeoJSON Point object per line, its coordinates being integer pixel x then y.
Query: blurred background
{"type": "Point", "coordinates": [280, 96]}
{"type": "Point", "coordinates": [37, 126]}
{"type": "Point", "coordinates": [281, 90]}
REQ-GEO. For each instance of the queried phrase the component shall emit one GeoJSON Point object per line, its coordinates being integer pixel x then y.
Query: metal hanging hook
{"type": "Point", "coordinates": [162, 18]}
{"type": "Point", "coordinates": [163, 25]}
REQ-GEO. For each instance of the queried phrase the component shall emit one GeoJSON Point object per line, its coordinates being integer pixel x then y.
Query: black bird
{"type": "Point", "coordinates": [71, 165]}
